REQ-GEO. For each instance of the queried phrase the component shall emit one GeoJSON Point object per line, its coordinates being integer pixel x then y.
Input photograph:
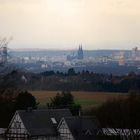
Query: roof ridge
{"type": "Point", "coordinates": [81, 117]}
{"type": "Point", "coordinates": [37, 110]}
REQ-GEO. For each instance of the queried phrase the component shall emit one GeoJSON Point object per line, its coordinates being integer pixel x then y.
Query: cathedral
{"type": "Point", "coordinates": [80, 54]}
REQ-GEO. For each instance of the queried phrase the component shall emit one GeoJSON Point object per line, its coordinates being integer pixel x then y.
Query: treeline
{"type": "Point", "coordinates": [73, 81]}
{"type": "Point", "coordinates": [89, 81]}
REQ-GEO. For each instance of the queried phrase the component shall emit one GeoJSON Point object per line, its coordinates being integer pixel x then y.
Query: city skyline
{"type": "Point", "coordinates": [61, 24]}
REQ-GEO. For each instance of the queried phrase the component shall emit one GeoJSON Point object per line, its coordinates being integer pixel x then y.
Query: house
{"type": "Point", "coordinates": [2, 133]}
{"type": "Point", "coordinates": [79, 128]}
{"type": "Point", "coordinates": [122, 133]}
{"type": "Point", "coordinates": [36, 124]}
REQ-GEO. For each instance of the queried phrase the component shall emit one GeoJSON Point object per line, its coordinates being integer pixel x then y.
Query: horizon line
{"type": "Point", "coordinates": [56, 49]}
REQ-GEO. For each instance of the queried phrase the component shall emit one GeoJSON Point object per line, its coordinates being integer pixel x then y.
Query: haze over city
{"type": "Point", "coordinates": [63, 24]}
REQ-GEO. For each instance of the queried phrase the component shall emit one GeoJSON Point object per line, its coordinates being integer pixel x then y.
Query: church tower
{"type": "Point", "coordinates": [80, 54]}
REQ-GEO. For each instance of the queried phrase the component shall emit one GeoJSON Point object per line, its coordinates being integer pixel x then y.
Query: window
{"type": "Point", "coordinates": [17, 124]}
{"type": "Point", "coordinates": [53, 120]}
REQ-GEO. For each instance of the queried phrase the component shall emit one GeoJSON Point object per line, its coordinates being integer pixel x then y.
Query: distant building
{"type": "Point", "coordinates": [135, 53]}
{"type": "Point", "coordinates": [24, 79]}
{"type": "Point", "coordinates": [80, 54]}
{"type": "Point", "coordinates": [71, 57]}
{"type": "Point", "coordinates": [122, 59]}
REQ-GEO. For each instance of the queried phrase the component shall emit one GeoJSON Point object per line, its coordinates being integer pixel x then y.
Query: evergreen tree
{"type": "Point", "coordinates": [64, 100]}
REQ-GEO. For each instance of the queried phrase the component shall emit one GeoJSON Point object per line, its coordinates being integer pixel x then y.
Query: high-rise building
{"type": "Point", "coordinates": [135, 53]}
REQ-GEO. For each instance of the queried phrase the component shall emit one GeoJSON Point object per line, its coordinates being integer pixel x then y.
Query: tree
{"type": "Point", "coordinates": [71, 72]}
{"type": "Point", "coordinates": [7, 109]}
{"type": "Point", "coordinates": [7, 104]}
{"type": "Point", "coordinates": [121, 113]}
{"type": "Point", "coordinates": [25, 100]}
{"type": "Point", "coordinates": [64, 100]}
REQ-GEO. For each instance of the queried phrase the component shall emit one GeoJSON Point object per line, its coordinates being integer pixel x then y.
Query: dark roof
{"type": "Point", "coordinates": [83, 127]}
{"type": "Point", "coordinates": [89, 138]}
{"type": "Point", "coordinates": [39, 123]}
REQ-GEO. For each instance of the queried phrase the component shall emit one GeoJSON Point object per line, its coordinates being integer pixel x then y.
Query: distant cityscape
{"type": "Point", "coordinates": [99, 61]}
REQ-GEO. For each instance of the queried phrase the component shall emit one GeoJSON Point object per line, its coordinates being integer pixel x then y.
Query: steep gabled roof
{"type": "Point", "coordinates": [39, 122]}
{"type": "Point", "coordinates": [83, 127]}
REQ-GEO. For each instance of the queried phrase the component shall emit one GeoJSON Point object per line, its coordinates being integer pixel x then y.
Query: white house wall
{"type": "Point", "coordinates": [64, 131]}
{"type": "Point", "coordinates": [17, 129]}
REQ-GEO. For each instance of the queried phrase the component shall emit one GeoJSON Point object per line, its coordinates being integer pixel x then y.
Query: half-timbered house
{"type": "Point", "coordinates": [79, 128]}
{"type": "Point", "coordinates": [36, 124]}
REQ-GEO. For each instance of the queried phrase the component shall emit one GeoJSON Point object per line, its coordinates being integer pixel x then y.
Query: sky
{"type": "Point", "coordinates": [64, 24]}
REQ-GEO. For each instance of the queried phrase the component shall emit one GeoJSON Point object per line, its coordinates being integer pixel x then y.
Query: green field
{"type": "Point", "coordinates": [85, 99]}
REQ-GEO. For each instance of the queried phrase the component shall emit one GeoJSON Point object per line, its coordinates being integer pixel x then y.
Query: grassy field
{"type": "Point", "coordinates": [85, 99]}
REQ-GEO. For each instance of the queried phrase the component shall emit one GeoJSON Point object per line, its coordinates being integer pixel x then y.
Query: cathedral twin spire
{"type": "Point", "coordinates": [80, 52]}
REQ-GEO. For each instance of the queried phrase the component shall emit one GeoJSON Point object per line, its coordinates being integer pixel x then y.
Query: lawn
{"type": "Point", "coordinates": [85, 99]}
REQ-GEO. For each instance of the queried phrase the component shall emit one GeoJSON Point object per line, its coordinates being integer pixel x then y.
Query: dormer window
{"type": "Point", "coordinates": [53, 120]}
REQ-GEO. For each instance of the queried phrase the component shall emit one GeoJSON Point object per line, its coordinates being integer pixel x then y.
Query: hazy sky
{"type": "Point", "coordinates": [62, 24]}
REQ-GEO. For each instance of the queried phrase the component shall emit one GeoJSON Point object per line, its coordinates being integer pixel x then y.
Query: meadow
{"type": "Point", "coordinates": [85, 99]}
